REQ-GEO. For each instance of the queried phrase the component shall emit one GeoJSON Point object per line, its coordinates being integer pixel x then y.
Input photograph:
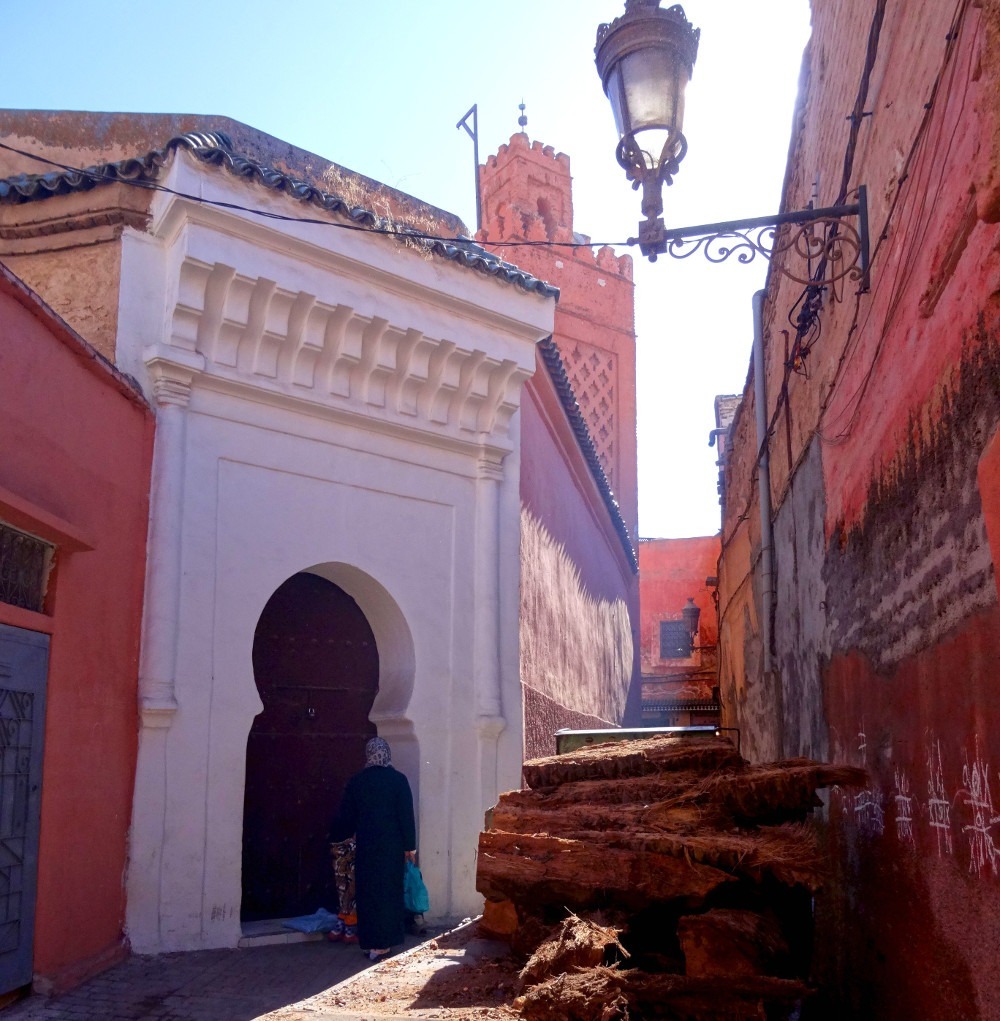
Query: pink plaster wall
{"type": "Point", "coordinates": [576, 581]}
{"type": "Point", "coordinates": [77, 444]}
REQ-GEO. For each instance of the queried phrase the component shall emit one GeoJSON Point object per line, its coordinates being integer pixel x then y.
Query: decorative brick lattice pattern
{"type": "Point", "coordinates": [594, 374]}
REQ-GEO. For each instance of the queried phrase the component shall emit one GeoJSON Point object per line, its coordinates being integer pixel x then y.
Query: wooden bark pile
{"type": "Point", "coordinates": [662, 878]}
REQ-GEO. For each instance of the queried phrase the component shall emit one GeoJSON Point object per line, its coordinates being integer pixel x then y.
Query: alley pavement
{"type": "Point", "coordinates": [207, 985]}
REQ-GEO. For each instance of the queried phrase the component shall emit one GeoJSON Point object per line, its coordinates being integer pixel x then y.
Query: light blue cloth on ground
{"type": "Point", "coordinates": [320, 921]}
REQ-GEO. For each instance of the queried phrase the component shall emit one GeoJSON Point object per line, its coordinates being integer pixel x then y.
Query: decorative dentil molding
{"type": "Point", "coordinates": [254, 332]}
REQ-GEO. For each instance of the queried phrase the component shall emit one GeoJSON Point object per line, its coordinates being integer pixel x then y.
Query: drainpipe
{"type": "Point", "coordinates": [764, 484]}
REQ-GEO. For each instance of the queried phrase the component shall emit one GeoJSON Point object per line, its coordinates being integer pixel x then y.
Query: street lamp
{"type": "Point", "coordinates": [691, 615]}
{"type": "Point", "coordinates": [645, 59]}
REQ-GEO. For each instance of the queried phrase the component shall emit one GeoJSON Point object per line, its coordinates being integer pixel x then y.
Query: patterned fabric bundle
{"type": "Point", "coordinates": [343, 874]}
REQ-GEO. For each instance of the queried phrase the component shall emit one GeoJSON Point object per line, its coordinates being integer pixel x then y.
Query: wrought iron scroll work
{"type": "Point", "coordinates": [830, 244]}
{"type": "Point", "coordinates": [635, 161]}
{"type": "Point", "coordinates": [830, 249]}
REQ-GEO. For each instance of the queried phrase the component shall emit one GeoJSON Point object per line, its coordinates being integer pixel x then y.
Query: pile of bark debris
{"type": "Point", "coordinates": [659, 878]}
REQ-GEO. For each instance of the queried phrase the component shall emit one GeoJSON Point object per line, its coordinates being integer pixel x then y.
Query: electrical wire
{"type": "Point", "coordinates": [799, 351]}
{"type": "Point", "coordinates": [410, 233]}
{"type": "Point", "coordinates": [808, 321]}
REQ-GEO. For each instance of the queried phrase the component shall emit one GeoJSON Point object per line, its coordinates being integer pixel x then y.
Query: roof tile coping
{"type": "Point", "coordinates": [215, 148]}
{"type": "Point", "coordinates": [95, 137]}
{"type": "Point", "coordinates": [564, 389]}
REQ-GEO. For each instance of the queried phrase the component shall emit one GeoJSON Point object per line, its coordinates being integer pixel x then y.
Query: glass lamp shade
{"type": "Point", "coordinates": [645, 59]}
{"type": "Point", "coordinates": [692, 616]}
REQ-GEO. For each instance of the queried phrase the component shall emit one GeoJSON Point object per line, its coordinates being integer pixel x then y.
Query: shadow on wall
{"type": "Point", "coordinates": [576, 649]}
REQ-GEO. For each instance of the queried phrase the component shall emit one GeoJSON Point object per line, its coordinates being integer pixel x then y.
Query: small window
{"type": "Point", "coordinates": [24, 569]}
{"type": "Point", "coordinates": [675, 640]}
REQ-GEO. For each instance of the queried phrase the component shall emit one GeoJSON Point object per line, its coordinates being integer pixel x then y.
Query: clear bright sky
{"type": "Point", "coordinates": [378, 87]}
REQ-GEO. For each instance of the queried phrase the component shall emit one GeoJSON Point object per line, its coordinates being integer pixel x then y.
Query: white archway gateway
{"type": "Point", "coordinates": [333, 402]}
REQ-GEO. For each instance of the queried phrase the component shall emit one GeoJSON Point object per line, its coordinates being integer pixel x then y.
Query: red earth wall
{"type": "Point", "coordinates": [886, 492]}
{"type": "Point", "coordinates": [77, 448]}
{"type": "Point", "coordinates": [671, 571]}
{"type": "Point", "coordinates": [526, 193]}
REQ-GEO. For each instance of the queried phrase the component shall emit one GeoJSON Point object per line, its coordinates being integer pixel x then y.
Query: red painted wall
{"type": "Point", "coordinates": [671, 571]}
{"type": "Point", "coordinates": [77, 448]}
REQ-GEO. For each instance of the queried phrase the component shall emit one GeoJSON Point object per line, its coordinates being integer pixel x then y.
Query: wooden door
{"type": "Point", "coordinates": [316, 668]}
{"type": "Point", "coordinates": [24, 657]}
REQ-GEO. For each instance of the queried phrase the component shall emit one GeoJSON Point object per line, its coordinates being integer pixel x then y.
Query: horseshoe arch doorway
{"type": "Point", "coordinates": [316, 666]}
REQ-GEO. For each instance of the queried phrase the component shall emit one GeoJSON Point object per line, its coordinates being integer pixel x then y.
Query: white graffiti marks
{"type": "Point", "coordinates": [976, 795]}
{"type": "Point", "coordinates": [938, 805]}
{"type": "Point", "coordinates": [868, 811]}
{"type": "Point", "coordinates": [904, 809]}
{"type": "Point", "coordinates": [969, 809]}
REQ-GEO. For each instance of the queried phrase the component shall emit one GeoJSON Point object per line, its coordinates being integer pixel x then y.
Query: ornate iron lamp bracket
{"type": "Point", "coordinates": [833, 249]}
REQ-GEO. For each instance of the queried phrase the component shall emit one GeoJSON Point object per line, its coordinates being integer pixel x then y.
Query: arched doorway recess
{"type": "Point", "coordinates": [316, 666]}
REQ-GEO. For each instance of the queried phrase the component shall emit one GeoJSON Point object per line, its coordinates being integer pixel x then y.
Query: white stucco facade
{"type": "Point", "coordinates": [335, 402]}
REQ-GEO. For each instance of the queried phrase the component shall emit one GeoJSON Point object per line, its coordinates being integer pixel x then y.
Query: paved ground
{"type": "Point", "coordinates": [206, 985]}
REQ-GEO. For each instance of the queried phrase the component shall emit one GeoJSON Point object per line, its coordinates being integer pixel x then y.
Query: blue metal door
{"type": "Point", "coordinates": [23, 668]}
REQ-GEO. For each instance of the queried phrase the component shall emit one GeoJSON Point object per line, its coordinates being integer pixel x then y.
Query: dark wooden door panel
{"type": "Point", "coordinates": [316, 667]}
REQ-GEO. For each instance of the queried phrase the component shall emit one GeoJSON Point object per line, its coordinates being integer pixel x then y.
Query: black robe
{"type": "Point", "coordinates": [378, 808]}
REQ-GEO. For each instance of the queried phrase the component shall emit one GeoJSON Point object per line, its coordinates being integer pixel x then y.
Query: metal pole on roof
{"type": "Point", "coordinates": [473, 133]}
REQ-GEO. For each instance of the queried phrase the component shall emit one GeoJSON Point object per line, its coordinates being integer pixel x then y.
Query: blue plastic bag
{"type": "Point", "coordinates": [415, 897]}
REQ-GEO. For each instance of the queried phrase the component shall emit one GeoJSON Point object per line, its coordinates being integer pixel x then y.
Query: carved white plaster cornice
{"type": "Point", "coordinates": [253, 332]}
{"type": "Point", "coordinates": [157, 713]}
{"type": "Point", "coordinates": [490, 466]}
{"type": "Point", "coordinates": [171, 372]}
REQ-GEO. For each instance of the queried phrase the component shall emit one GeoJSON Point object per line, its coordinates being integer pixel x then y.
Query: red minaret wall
{"type": "Point", "coordinates": [526, 193]}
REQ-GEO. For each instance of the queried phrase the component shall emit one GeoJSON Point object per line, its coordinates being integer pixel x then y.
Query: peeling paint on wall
{"type": "Point", "coordinates": [919, 561]}
{"type": "Point", "coordinates": [801, 638]}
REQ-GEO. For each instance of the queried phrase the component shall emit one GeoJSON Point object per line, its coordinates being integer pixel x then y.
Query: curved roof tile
{"type": "Point", "coordinates": [216, 149]}
{"type": "Point", "coordinates": [557, 372]}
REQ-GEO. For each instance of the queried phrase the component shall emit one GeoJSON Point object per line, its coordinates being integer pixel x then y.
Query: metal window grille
{"type": "Point", "coordinates": [675, 640]}
{"type": "Point", "coordinates": [16, 712]}
{"type": "Point", "coordinates": [24, 569]}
